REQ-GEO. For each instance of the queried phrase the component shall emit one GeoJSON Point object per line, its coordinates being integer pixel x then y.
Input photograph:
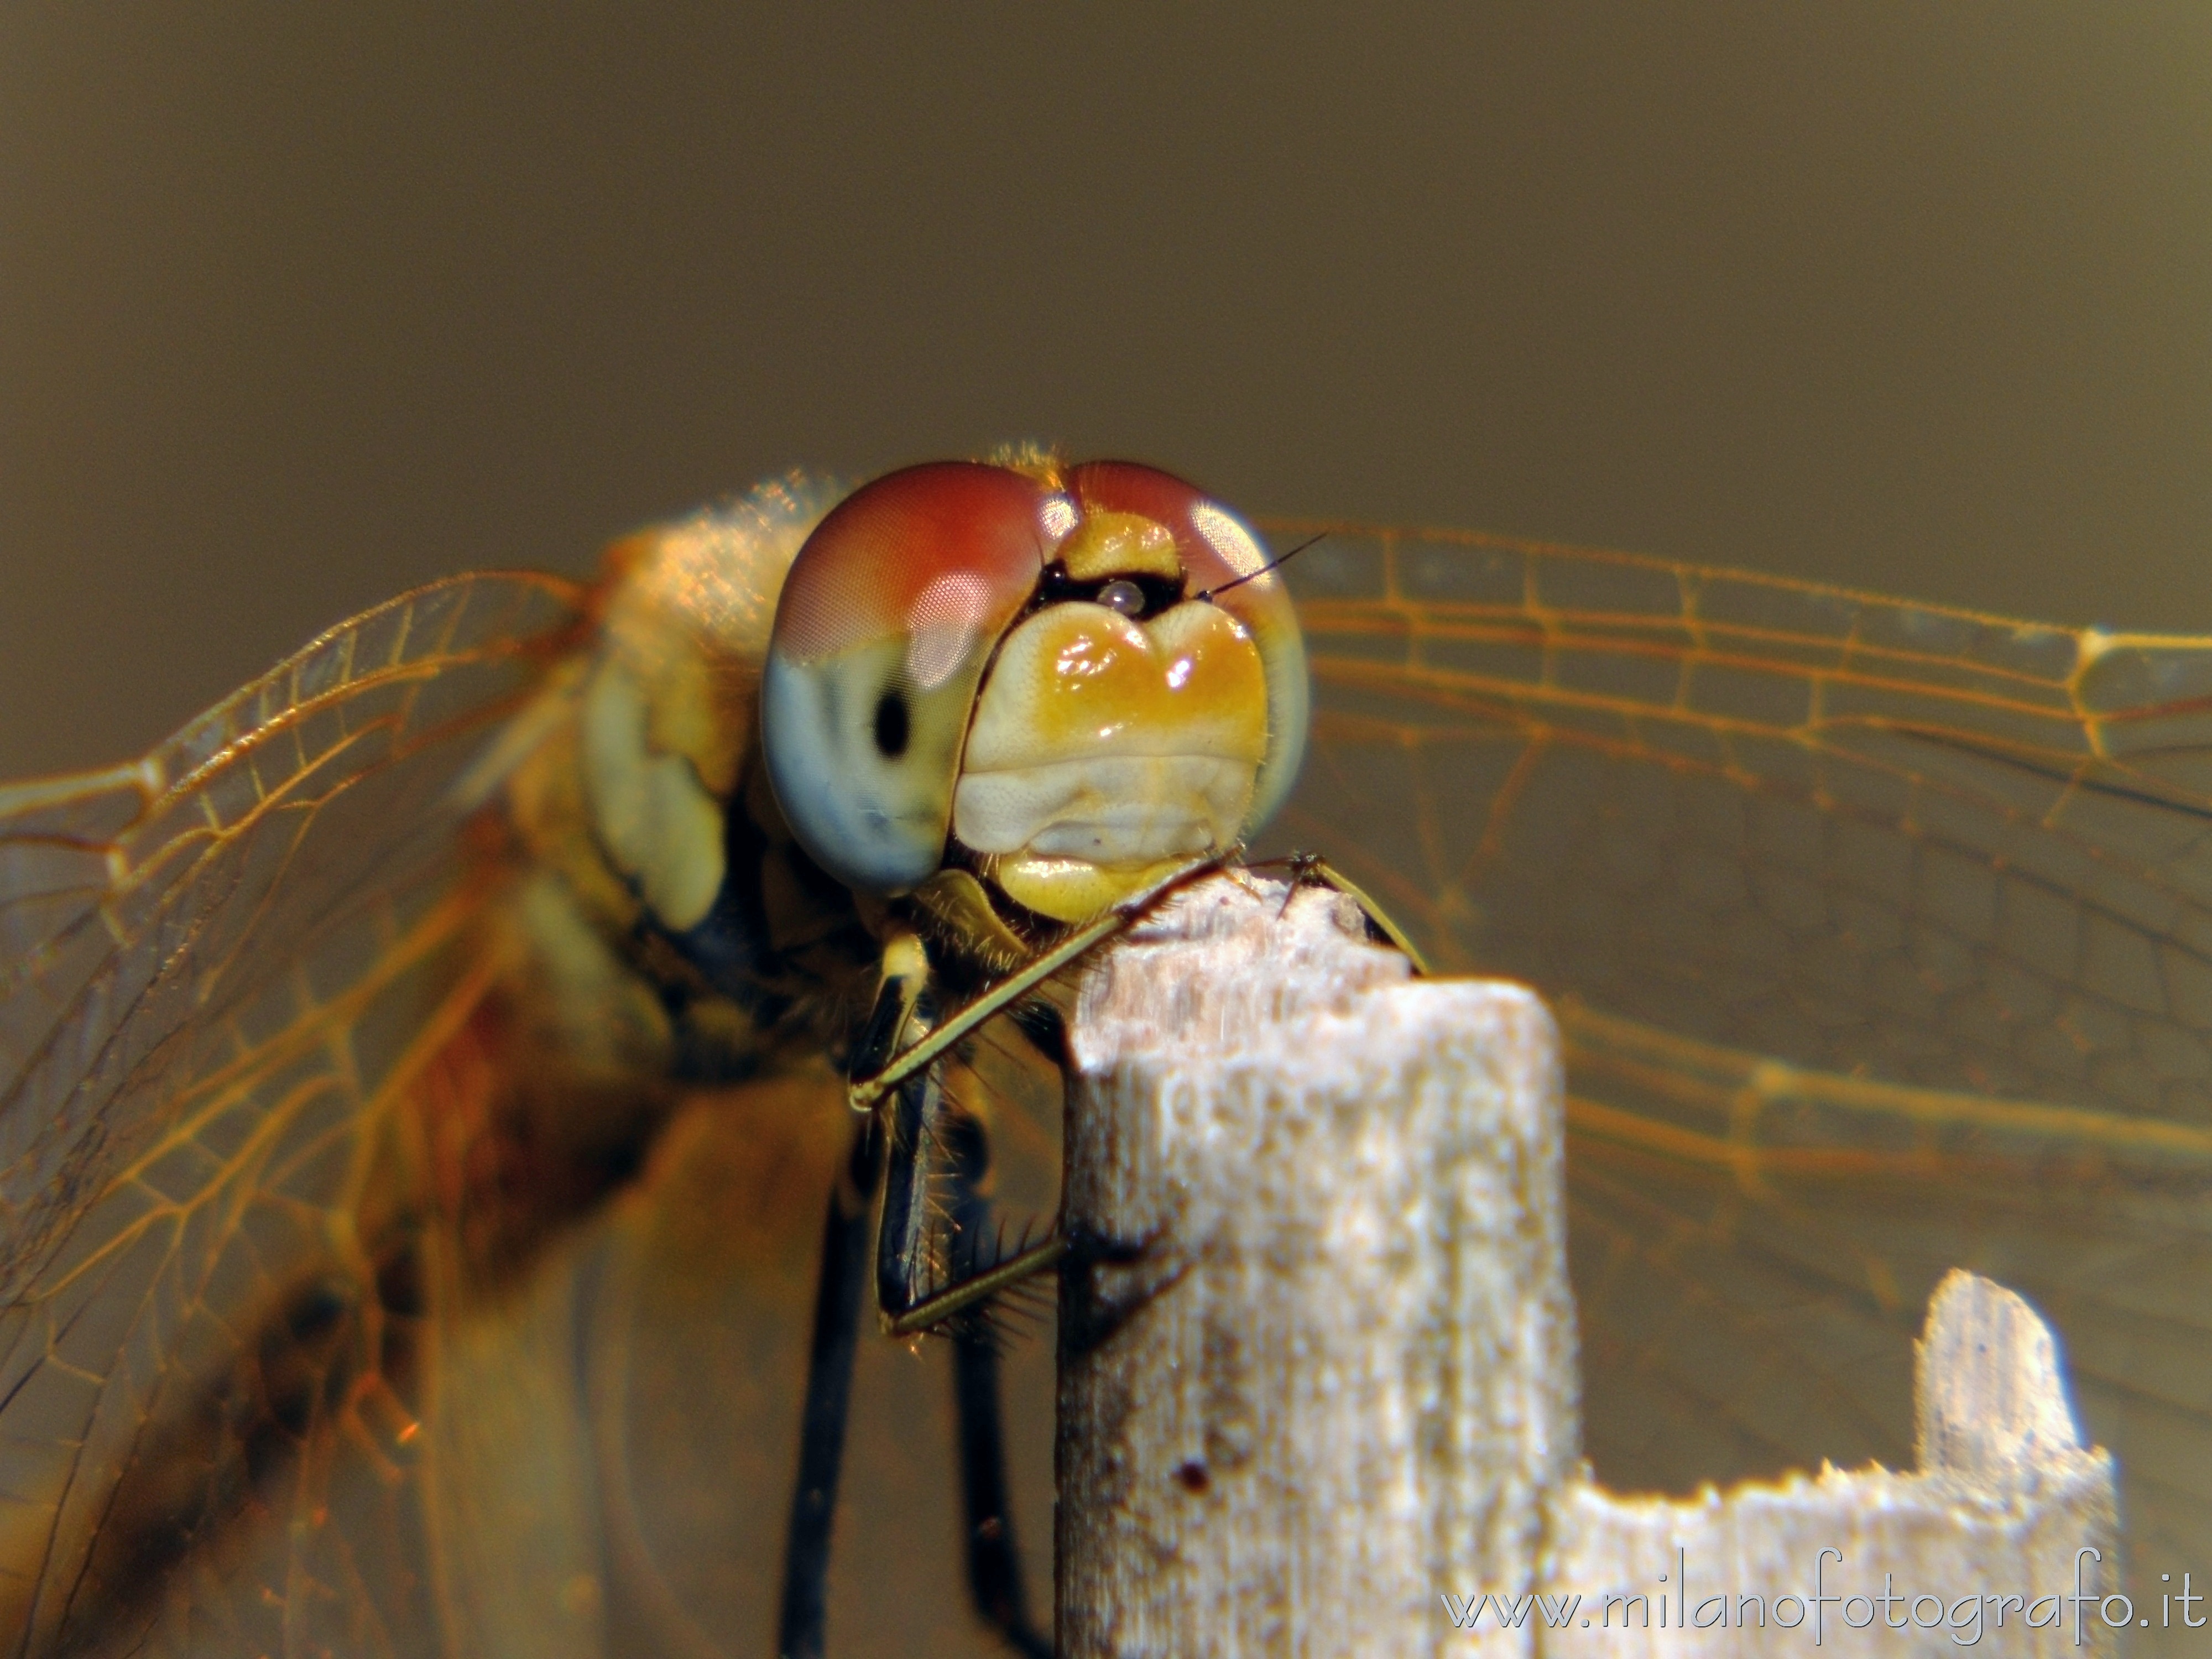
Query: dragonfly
{"type": "Point", "coordinates": [425, 1081]}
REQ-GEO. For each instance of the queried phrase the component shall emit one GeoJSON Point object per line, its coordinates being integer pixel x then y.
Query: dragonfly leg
{"type": "Point", "coordinates": [905, 1267]}
{"type": "Point", "coordinates": [902, 1090]}
{"type": "Point", "coordinates": [802, 1624]}
{"type": "Point", "coordinates": [907, 1125]}
{"type": "Point", "coordinates": [915, 1290]}
{"type": "Point", "coordinates": [994, 1566]}
{"type": "Point", "coordinates": [869, 1087]}
{"type": "Point", "coordinates": [1312, 870]}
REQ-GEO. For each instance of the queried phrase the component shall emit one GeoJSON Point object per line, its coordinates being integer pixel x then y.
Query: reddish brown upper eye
{"type": "Point", "coordinates": [879, 564]}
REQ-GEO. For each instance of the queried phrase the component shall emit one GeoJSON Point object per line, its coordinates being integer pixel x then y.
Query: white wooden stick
{"type": "Point", "coordinates": [2005, 1497]}
{"type": "Point", "coordinates": [1318, 1385]}
{"type": "Point", "coordinates": [1341, 1373]}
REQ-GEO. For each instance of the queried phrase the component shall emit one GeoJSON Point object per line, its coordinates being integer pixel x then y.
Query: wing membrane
{"type": "Point", "coordinates": [217, 963]}
{"type": "Point", "coordinates": [1881, 937]}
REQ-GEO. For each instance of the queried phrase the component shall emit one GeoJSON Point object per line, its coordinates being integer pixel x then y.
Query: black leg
{"type": "Point", "coordinates": [930, 1278]}
{"type": "Point", "coordinates": [905, 1268]}
{"type": "Point", "coordinates": [994, 1566]}
{"type": "Point", "coordinates": [802, 1630]}
{"type": "Point", "coordinates": [919, 1252]}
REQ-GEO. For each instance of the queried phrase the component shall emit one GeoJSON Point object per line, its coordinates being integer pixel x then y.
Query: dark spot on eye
{"type": "Point", "coordinates": [1193, 1476]}
{"type": "Point", "coordinates": [892, 724]}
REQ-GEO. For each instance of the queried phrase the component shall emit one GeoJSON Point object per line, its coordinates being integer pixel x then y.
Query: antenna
{"type": "Point", "coordinates": [1271, 564]}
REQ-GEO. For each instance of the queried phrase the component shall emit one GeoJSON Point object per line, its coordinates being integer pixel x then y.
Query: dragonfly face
{"type": "Point", "coordinates": [413, 1115]}
{"type": "Point", "coordinates": [1084, 677]}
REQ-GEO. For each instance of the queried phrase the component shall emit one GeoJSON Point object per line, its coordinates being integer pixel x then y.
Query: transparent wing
{"type": "Point", "coordinates": [214, 966]}
{"type": "Point", "coordinates": [1881, 940]}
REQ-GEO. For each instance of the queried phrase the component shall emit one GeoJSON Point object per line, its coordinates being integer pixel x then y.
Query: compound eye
{"type": "Point", "coordinates": [1223, 561]}
{"type": "Point", "coordinates": [1127, 598]}
{"type": "Point", "coordinates": [883, 631]}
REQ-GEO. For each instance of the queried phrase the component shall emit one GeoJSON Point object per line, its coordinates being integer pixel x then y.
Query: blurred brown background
{"type": "Point", "coordinates": [299, 305]}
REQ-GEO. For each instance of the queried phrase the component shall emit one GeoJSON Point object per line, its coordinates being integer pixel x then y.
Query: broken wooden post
{"type": "Point", "coordinates": [1338, 1373]}
{"type": "Point", "coordinates": [1318, 1385]}
{"type": "Point", "coordinates": [1980, 1548]}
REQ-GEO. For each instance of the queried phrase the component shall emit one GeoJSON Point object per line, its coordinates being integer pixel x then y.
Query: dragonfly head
{"type": "Point", "coordinates": [1074, 678]}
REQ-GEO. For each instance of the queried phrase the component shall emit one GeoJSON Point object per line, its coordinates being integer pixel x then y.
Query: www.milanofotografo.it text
{"type": "Point", "coordinates": [1832, 1601]}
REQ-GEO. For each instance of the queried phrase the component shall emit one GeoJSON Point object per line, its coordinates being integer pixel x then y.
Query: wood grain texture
{"type": "Point", "coordinates": [1319, 1386]}
{"type": "Point", "coordinates": [2005, 1496]}
{"type": "Point", "coordinates": [1342, 1369]}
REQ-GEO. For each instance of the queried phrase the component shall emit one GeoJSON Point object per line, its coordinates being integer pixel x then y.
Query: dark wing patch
{"type": "Point", "coordinates": [216, 963]}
